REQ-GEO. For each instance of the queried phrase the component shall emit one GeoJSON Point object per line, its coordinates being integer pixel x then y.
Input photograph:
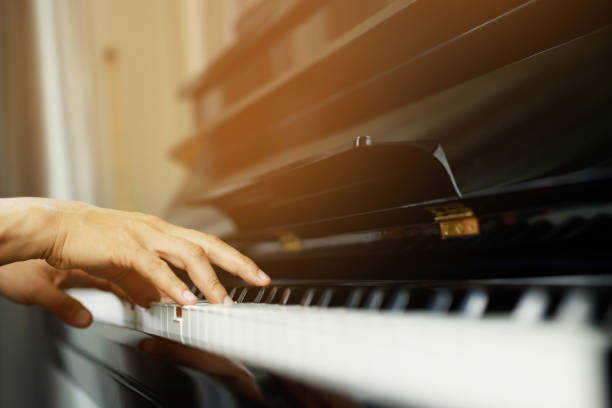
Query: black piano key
{"type": "Point", "coordinates": [375, 299]}
{"type": "Point", "coordinates": [441, 301]}
{"type": "Point", "coordinates": [252, 294]}
{"type": "Point", "coordinates": [555, 297]}
{"type": "Point", "coordinates": [273, 294]}
{"type": "Point", "coordinates": [420, 299]}
{"type": "Point", "coordinates": [340, 296]}
{"type": "Point", "coordinates": [397, 301]}
{"type": "Point", "coordinates": [458, 300]}
{"type": "Point", "coordinates": [242, 294]}
{"type": "Point", "coordinates": [502, 300]}
{"type": "Point", "coordinates": [308, 297]}
{"type": "Point", "coordinates": [232, 293]}
{"type": "Point", "coordinates": [325, 298]}
{"type": "Point", "coordinates": [354, 299]}
{"type": "Point", "coordinates": [296, 295]}
{"type": "Point", "coordinates": [260, 295]}
{"type": "Point", "coordinates": [284, 297]}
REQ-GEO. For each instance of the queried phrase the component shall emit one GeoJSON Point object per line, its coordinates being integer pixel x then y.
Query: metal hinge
{"type": "Point", "coordinates": [290, 242]}
{"type": "Point", "coordinates": [456, 220]}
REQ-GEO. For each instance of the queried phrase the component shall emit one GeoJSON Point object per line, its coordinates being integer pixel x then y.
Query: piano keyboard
{"type": "Point", "coordinates": [368, 349]}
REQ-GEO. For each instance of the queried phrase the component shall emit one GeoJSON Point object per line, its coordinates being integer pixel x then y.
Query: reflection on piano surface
{"type": "Point", "coordinates": [457, 256]}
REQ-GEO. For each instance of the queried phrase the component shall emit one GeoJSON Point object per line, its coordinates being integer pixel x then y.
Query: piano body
{"type": "Point", "coordinates": [429, 185]}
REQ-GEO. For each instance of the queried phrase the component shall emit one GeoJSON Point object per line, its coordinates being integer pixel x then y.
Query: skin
{"type": "Point", "coordinates": [126, 253]}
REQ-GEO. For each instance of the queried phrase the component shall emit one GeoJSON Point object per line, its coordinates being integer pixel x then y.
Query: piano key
{"type": "Point", "coordinates": [475, 303]}
{"type": "Point", "coordinates": [399, 300]}
{"type": "Point", "coordinates": [260, 295]}
{"type": "Point", "coordinates": [503, 300]}
{"type": "Point", "coordinates": [272, 294]}
{"type": "Point", "coordinates": [325, 298]}
{"type": "Point", "coordinates": [252, 293]}
{"type": "Point", "coordinates": [308, 297]}
{"type": "Point", "coordinates": [375, 299]}
{"type": "Point", "coordinates": [354, 298]}
{"type": "Point", "coordinates": [340, 296]}
{"type": "Point", "coordinates": [532, 306]}
{"type": "Point", "coordinates": [232, 293]}
{"type": "Point", "coordinates": [408, 357]}
{"type": "Point", "coordinates": [242, 295]}
{"type": "Point", "coordinates": [578, 306]}
{"type": "Point", "coordinates": [441, 301]}
{"type": "Point", "coordinates": [284, 297]}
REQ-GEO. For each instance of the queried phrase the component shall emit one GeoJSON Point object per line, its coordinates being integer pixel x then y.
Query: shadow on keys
{"type": "Point", "coordinates": [268, 392]}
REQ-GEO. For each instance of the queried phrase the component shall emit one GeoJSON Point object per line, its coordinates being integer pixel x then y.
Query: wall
{"type": "Point", "coordinates": [143, 52]}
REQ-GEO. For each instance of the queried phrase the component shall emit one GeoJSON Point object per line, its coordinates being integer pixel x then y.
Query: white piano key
{"type": "Point", "coordinates": [401, 359]}
{"type": "Point", "coordinates": [578, 306]}
{"type": "Point", "coordinates": [532, 305]}
{"type": "Point", "coordinates": [475, 303]}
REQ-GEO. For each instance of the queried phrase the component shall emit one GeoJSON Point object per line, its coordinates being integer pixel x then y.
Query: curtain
{"type": "Point", "coordinates": [45, 150]}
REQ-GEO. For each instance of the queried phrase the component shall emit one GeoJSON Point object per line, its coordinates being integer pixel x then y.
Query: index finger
{"type": "Point", "coordinates": [224, 255]}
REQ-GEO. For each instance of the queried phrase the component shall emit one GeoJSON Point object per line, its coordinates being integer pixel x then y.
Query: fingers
{"type": "Point", "coordinates": [160, 274]}
{"type": "Point", "coordinates": [138, 288]}
{"type": "Point", "coordinates": [97, 240]}
{"type": "Point", "coordinates": [231, 259]}
{"type": "Point", "coordinates": [222, 254]}
{"type": "Point", "coordinates": [68, 309]}
{"type": "Point", "coordinates": [79, 279]}
{"type": "Point", "coordinates": [191, 257]}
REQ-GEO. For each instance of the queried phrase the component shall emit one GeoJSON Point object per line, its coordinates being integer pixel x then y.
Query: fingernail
{"type": "Point", "coordinates": [147, 345]}
{"type": "Point", "coordinates": [228, 301]}
{"type": "Point", "coordinates": [262, 276]}
{"type": "Point", "coordinates": [82, 318]}
{"type": "Point", "coordinates": [189, 297]}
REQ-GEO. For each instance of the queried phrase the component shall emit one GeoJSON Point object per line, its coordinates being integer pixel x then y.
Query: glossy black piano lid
{"type": "Point", "coordinates": [550, 226]}
{"type": "Point", "coordinates": [526, 142]}
{"type": "Point", "coordinates": [546, 115]}
{"type": "Point", "coordinates": [357, 180]}
{"type": "Point", "coordinates": [418, 53]}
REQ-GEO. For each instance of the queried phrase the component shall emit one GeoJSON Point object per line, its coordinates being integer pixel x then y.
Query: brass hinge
{"type": "Point", "coordinates": [456, 220]}
{"type": "Point", "coordinates": [290, 242]}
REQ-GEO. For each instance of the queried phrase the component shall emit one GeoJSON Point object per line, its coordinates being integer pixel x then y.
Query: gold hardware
{"type": "Point", "coordinates": [456, 220]}
{"type": "Point", "coordinates": [459, 228]}
{"type": "Point", "coordinates": [290, 242]}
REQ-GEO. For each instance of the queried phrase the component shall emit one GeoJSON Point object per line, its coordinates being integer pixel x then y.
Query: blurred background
{"type": "Point", "coordinates": [90, 96]}
{"type": "Point", "coordinates": [90, 109]}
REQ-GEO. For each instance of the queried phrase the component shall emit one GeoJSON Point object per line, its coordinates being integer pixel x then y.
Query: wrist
{"type": "Point", "coordinates": [29, 228]}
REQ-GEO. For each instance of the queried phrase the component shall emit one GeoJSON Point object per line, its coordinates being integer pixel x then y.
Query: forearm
{"type": "Point", "coordinates": [28, 228]}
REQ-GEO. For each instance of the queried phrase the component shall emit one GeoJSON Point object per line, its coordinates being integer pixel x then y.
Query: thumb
{"type": "Point", "coordinates": [67, 308]}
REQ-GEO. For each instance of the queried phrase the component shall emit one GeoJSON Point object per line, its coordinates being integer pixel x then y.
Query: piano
{"type": "Point", "coordinates": [429, 185]}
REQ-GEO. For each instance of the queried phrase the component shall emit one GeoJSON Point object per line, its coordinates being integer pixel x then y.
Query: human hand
{"type": "Point", "coordinates": [35, 282]}
{"type": "Point", "coordinates": [129, 249]}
